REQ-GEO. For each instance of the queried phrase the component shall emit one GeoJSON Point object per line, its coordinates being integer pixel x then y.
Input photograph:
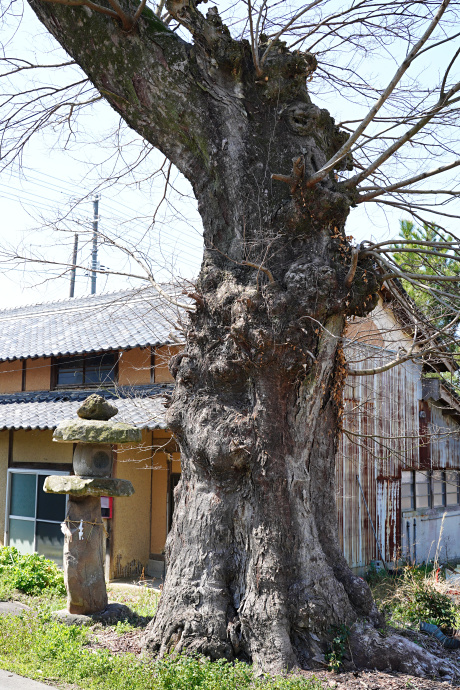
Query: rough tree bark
{"type": "Point", "coordinates": [255, 569]}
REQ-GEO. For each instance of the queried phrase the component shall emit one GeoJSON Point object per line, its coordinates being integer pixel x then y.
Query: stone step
{"type": "Point", "coordinates": [155, 568]}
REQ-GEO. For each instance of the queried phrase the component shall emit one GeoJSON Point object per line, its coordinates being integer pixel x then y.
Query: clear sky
{"type": "Point", "coordinates": [49, 199]}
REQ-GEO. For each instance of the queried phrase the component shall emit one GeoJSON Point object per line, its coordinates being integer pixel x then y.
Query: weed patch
{"type": "Point", "coordinates": [36, 646]}
{"type": "Point", "coordinates": [419, 598]}
{"type": "Point", "coordinates": [334, 658]}
{"type": "Point", "coordinates": [417, 594]}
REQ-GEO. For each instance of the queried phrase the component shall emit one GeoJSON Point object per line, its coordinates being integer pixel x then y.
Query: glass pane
{"type": "Point", "coordinates": [438, 489]}
{"type": "Point", "coordinates": [70, 377]}
{"type": "Point", "coordinates": [407, 503]}
{"type": "Point", "coordinates": [50, 541]}
{"type": "Point", "coordinates": [421, 490]}
{"type": "Point", "coordinates": [451, 488]}
{"type": "Point", "coordinates": [49, 506]}
{"type": "Point", "coordinates": [407, 490]}
{"type": "Point", "coordinates": [23, 491]}
{"type": "Point", "coordinates": [70, 371]}
{"type": "Point", "coordinates": [22, 535]}
{"type": "Point", "coordinates": [100, 368]}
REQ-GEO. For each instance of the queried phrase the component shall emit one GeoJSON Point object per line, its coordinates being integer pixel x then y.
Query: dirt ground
{"type": "Point", "coordinates": [350, 680]}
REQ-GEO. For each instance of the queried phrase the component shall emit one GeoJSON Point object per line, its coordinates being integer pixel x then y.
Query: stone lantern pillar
{"type": "Point", "coordinates": [94, 434]}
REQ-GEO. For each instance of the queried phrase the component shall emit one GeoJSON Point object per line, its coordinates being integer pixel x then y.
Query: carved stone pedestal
{"type": "Point", "coordinates": [84, 556]}
{"type": "Point", "coordinates": [83, 528]}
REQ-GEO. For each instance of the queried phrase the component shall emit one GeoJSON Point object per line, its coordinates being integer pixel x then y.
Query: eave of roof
{"type": "Point", "coordinates": [42, 410]}
{"type": "Point", "coordinates": [440, 390]}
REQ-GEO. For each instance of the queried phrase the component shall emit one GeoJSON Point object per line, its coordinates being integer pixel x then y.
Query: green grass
{"type": "Point", "coordinates": [36, 646]}
{"type": "Point", "coordinates": [143, 600]}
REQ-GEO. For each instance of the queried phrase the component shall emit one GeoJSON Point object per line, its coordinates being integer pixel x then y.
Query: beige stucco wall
{"type": "Point", "coordinates": [159, 502]}
{"type": "Point", "coordinates": [3, 476]}
{"type": "Point", "coordinates": [10, 376]}
{"type": "Point", "coordinates": [38, 446]}
{"type": "Point", "coordinates": [159, 516]}
{"type": "Point", "coordinates": [139, 523]}
{"type": "Point", "coordinates": [131, 516]}
{"type": "Point", "coordinates": [162, 356]}
{"type": "Point", "coordinates": [134, 367]}
{"type": "Point", "coordinates": [38, 374]}
{"type": "Point", "coordinates": [380, 328]}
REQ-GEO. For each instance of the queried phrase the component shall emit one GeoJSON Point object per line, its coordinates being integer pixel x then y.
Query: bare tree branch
{"type": "Point", "coordinates": [346, 148]}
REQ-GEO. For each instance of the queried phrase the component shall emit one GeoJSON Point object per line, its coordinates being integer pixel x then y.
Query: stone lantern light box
{"type": "Point", "coordinates": [94, 434]}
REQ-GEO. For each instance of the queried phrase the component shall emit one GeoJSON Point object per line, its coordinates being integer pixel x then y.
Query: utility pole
{"type": "Point", "coordinates": [73, 270]}
{"type": "Point", "coordinates": [94, 252]}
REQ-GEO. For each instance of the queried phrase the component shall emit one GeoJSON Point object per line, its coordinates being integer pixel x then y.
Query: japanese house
{"type": "Point", "coordinates": [398, 463]}
{"type": "Point", "coordinates": [52, 356]}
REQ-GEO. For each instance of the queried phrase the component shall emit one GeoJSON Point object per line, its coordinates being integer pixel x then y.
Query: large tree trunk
{"type": "Point", "coordinates": [254, 566]}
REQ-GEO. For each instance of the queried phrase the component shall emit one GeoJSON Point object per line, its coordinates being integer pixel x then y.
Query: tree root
{"type": "Point", "coordinates": [370, 649]}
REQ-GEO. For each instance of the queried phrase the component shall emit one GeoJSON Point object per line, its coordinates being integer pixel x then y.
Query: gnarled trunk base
{"type": "Point", "coordinates": [371, 649]}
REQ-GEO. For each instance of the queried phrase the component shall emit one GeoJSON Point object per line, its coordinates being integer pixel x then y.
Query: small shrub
{"type": "Point", "coordinates": [334, 658]}
{"type": "Point", "coordinates": [31, 573]}
{"type": "Point", "coordinates": [417, 599]}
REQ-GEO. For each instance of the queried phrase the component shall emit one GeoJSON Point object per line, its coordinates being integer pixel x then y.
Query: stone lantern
{"type": "Point", "coordinates": [83, 529]}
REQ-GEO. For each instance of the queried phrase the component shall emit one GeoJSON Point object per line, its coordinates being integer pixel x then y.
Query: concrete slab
{"type": "Point", "coordinates": [11, 681]}
{"type": "Point", "coordinates": [12, 607]}
{"type": "Point", "coordinates": [155, 583]}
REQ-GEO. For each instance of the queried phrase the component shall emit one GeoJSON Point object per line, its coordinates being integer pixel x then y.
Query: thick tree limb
{"type": "Point", "coordinates": [423, 243]}
{"type": "Point", "coordinates": [145, 75]}
{"type": "Point", "coordinates": [117, 12]}
{"type": "Point", "coordinates": [391, 150]}
{"type": "Point", "coordinates": [404, 183]}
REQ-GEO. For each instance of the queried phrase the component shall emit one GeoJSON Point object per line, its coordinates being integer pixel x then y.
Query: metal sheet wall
{"type": "Point", "coordinates": [444, 439]}
{"type": "Point", "coordinates": [380, 437]}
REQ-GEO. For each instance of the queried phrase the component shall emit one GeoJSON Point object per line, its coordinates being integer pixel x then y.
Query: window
{"type": "Point", "coordinates": [439, 489]}
{"type": "Point", "coordinates": [85, 370]}
{"type": "Point", "coordinates": [452, 493]}
{"type": "Point", "coordinates": [422, 490]}
{"type": "Point", "coordinates": [407, 491]}
{"type": "Point", "coordinates": [33, 520]}
{"type": "Point", "coordinates": [432, 489]}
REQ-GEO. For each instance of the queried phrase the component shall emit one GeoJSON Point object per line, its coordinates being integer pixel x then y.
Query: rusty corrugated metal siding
{"type": "Point", "coordinates": [445, 439]}
{"type": "Point", "coordinates": [383, 412]}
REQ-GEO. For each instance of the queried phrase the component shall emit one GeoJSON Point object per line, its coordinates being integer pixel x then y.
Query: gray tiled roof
{"type": "Point", "coordinates": [140, 405]}
{"type": "Point", "coordinates": [114, 321]}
